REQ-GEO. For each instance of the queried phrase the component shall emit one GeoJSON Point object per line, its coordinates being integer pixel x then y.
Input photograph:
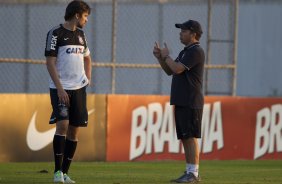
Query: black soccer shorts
{"type": "Point", "coordinates": [188, 122]}
{"type": "Point", "coordinates": [76, 113]}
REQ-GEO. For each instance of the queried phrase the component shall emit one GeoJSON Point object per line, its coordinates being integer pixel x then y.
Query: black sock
{"type": "Point", "coordinates": [68, 155]}
{"type": "Point", "coordinates": [58, 148]}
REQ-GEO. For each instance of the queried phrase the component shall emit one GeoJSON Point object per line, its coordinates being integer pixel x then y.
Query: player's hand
{"type": "Point", "coordinates": [157, 51]}
{"type": "Point", "coordinates": [164, 51]}
{"type": "Point", "coordinates": [63, 97]}
{"type": "Point", "coordinates": [90, 83]}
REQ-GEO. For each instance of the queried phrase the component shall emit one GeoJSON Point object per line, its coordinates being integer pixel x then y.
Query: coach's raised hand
{"type": "Point", "coordinates": [157, 51]}
{"type": "Point", "coordinates": [161, 54]}
{"type": "Point", "coordinates": [164, 51]}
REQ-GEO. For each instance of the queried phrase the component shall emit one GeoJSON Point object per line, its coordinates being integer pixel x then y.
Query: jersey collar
{"type": "Point", "coordinates": [192, 45]}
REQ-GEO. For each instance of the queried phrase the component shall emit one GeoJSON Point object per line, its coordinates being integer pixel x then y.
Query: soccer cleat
{"type": "Point", "coordinates": [67, 179]}
{"type": "Point", "coordinates": [58, 177]}
{"type": "Point", "coordinates": [187, 178]}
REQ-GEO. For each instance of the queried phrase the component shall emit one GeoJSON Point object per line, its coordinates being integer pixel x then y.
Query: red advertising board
{"type": "Point", "coordinates": [141, 127]}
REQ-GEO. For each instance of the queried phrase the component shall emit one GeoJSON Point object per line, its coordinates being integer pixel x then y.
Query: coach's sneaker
{"type": "Point", "coordinates": [67, 179]}
{"type": "Point", "coordinates": [59, 177]}
{"type": "Point", "coordinates": [187, 178]}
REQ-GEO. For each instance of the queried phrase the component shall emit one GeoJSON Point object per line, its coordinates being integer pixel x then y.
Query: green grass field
{"type": "Point", "coordinates": [212, 172]}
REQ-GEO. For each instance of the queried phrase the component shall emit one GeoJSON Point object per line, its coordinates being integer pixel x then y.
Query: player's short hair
{"type": "Point", "coordinates": [75, 7]}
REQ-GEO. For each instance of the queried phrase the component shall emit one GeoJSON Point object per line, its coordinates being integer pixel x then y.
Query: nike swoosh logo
{"type": "Point", "coordinates": [37, 140]}
{"type": "Point", "coordinates": [66, 38]}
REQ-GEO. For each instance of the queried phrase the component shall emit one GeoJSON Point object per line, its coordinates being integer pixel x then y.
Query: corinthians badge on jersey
{"type": "Point", "coordinates": [80, 39]}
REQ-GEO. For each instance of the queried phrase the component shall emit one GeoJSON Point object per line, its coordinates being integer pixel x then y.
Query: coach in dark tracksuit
{"type": "Point", "coordinates": [186, 93]}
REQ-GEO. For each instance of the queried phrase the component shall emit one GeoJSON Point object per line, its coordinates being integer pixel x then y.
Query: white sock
{"type": "Point", "coordinates": [192, 168]}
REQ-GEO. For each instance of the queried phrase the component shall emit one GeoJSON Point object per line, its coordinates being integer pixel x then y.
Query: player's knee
{"type": "Point", "coordinates": [62, 127]}
{"type": "Point", "coordinates": [61, 131]}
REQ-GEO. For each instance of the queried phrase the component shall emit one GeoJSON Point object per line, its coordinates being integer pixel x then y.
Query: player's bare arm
{"type": "Point", "coordinates": [157, 54]}
{"type": "Point", "coordinates": [51, 67]}
{"type": "Point", "coordinates": [88, 67]}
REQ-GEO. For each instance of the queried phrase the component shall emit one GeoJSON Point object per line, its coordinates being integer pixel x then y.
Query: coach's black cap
{"type": "Point", "coordinates": [191, 25]}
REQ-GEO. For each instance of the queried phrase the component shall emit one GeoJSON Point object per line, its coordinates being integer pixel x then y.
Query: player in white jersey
{"type": "Point", "coordinates": [69, 65]}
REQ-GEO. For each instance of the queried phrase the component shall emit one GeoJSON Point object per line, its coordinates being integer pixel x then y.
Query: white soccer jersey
{"type": "Point", "coordinates": [70, 48]}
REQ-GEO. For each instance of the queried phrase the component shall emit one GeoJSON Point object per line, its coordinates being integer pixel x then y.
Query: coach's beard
{"type": "Point", "coordinates": [79, 25]}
